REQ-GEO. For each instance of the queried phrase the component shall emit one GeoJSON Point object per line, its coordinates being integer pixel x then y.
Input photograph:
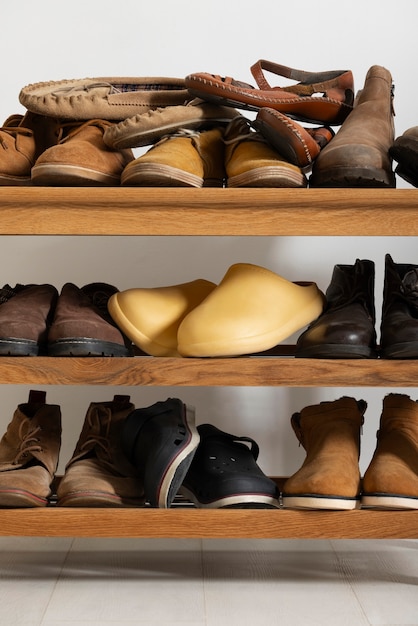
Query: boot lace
{"type": "Point", "coordinates": [98, 440]}
{"type": "Point", "coordinates": [29, 443]}
{"type": "Point", "coordinates": [239, 129]}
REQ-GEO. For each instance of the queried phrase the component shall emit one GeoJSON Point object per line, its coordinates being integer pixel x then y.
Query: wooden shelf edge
{"type": "Point", "coordinates": [220, 523]}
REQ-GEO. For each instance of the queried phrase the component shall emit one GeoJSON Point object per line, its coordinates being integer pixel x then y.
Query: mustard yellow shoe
{"type": "Point", "coordinates": [151, 317]}
{"type": "Point", "coordinates": [250, 161]}
{"type": "Point", "coordinates": [251, 310]}
{"type": "Point", "coordinates": [187, 158]}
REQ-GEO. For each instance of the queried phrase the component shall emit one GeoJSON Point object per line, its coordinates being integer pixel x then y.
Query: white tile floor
{"type": "Point", "coordinates": [100, 582]}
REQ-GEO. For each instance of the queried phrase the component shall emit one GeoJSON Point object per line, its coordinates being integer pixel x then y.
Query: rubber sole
{"type": "Point", "coordinates": [316, 501]}
{"type": "Point", "coordinates": [236, 501]}
{"type": "Point", "coordinates": [343, 177]}
{"type": "Point", "coordinates": [97, 499]}
{"type": "Point", "coordinates": [77, 346]}
{"type": "Point", "coordinates": [20, 498]}
{"type": "Point", "coordinates": [273, 176]}
{"type": "Point", "coordinates": [389, 501]}
{"type": "Point", "coordinates": [71, 175]}
{"type": "Point", "coordinates": [159, 175]}
{"type": "Point", "coordinates": [335, 351]}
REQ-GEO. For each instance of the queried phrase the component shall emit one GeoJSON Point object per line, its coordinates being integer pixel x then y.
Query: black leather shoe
{"type": "Point", "coordinates": [399, 326]}
{"type": "Point", "coordinates": [224, 473]}
{"type": "Point", "coordinates": [346, 328]}
{"type": "Point", "coordinates": [160, 442]}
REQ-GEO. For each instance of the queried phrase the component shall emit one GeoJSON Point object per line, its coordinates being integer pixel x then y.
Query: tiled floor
{"type": "Point", "coordinates": [99, 582]}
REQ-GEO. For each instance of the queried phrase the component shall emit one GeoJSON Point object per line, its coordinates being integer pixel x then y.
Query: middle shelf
{"type": "Point", "coordinates": [255, 371]}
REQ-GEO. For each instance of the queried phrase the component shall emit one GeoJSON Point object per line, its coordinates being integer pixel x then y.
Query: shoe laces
{"type": "Point", "coordinates": [98, 439]}
{"type": "Point", "coordinates": [86, 87]}
{"type": "Point", "coordinates": [68, 130]}
{"type": "Point", "coordinates": [240, 129]}
{"type": "Point", "coordinates": [13, 131]}
{"type": "Point", "coordinates": [29, 443]}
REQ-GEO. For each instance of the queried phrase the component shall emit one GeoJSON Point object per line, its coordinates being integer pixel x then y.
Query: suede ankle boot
{"type": "Point", "coordinates": [26, 313]}
{"type": "Point", "coordinates": [29, 453]}
{"type": "Point", "coordinates": [358, 155]}
{"type": "Point", "coordinates": [391, 480]}
{"type": "Point", "coordinates": [330, 476]}
{"type": "Point", "coordinates": [250, 161]}
{"type": "Point", "coordinates": [23, 138]}
{"type": "Point", "coordinates": [81, 158]}
{"type": "Point", "coordinates": [346, 329]}
{"type": "Point", "coordinates": [187, 158]}
{"type": "Point", "coordinates": [99, 473]}
{"type": "Point", "coordinates": [399, 326]}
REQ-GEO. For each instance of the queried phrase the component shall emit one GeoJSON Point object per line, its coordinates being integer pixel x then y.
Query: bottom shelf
{"type": "Point", "coordinates": [188, 522]}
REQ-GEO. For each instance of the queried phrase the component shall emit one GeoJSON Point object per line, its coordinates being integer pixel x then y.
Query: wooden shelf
{"type": "Point", "coordinates": [177, 211]}
{"type": "Point", "coordinates": [192, 372]}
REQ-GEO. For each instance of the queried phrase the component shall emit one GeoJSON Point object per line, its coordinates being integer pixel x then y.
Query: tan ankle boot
{"type": "Point", "coordinates": [358, 155]}
{"type": "Point", "coordinates": [187, 158]}
{"type": "Point", "coordinates": [250, 161]}
{"type": "Point", "coordinates": [29, 453]}
{"type": "Point", "coordinates": [329, 477]}
{"type": "Point", "coordinates": [391, 480]}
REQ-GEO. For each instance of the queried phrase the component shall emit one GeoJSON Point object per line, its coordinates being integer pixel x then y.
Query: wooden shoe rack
{"type": "Point", "coordinates": [262, 212]}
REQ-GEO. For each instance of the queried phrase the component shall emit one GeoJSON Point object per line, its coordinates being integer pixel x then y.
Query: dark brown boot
{"type": "Point", "coordinates": [82, 325]}
{"type": "Point", "coordinates": [391, 480]}
{"type": "Point", "coordinates": [29, 453]}
{"type": "Point", "coordinates": [22, 140]}
{"type": "Point", "coordinates": [346, 329]}
{"type": "Point", "coordinates": [330, 476]}
{"type": "Point", "coordinates": [99, 473]}
{"type": "Point", "coordinates": [405, 151]}
{"type": "Point", "coordinates": [399, 327]}
{"type": "Point", "coordinates": [25, 316]}
{"type": "Point", "coordinates": [358, 155]}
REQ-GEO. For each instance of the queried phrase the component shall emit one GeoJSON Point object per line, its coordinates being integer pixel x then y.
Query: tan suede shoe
{"type": "Point", "coordinates": [29, 453]}
{"type": "Point", "coordinates": [151, 317]}
{"type": "Point", "coordinates": [184, 159]}
{"type": "Point", "coordinates": [81, 158]}
{"type": "Point", "coordinates": [251, 310]}
{"type": "Point", "coordinates": [250, 161]}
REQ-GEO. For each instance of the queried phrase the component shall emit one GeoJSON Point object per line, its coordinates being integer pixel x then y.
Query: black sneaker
{"type": "Point", "coordinates": [160, 441]}
{"type": "Point", "coordinates": [224, 473]}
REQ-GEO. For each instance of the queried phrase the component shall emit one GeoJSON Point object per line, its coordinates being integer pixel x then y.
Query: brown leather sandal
{"type": "Point", "coordinates": [296, 101]}
{"type": "Point", "coordinates": [296, 144]}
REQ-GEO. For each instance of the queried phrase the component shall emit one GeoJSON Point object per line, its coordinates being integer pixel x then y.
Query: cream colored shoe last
{"type": "Point", "coordinates": [252, 310]}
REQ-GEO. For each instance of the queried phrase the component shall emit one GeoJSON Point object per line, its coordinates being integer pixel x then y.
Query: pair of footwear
{"type": "Point", "coordinates": [235, 156]}
{"type": "Point", "coordinates": [346, 328]}
{"type": "Point", "coordinates": [98, 474]}
{"type": "Point", "coordinates": [251, 310]}
{"type": "Point", "coordinates": [43, 150]}
{"type": "Point", "coordinates": [37, 320]}
{"type": "Point", "coordinates": [329, 477]}
{"type": "Point", "coordinates": [210, 467]}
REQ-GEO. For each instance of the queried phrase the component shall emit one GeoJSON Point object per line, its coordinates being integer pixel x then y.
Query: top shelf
{"type": "Point", "coordinates": [188, 211]}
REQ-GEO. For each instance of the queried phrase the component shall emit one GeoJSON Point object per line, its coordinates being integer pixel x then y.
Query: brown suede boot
{"type": "Point", "coordinates": [82, 325]}
{"type": "Point", "coordinates": [329, 477]}
{"type": "Point", "coordinates": [391, 480]}
{"type": "Point", "coordinates": [99, 473]}
{"type": "Point", "coordinates": [29, 453]}
{"type": "Point", "coordinates": [81, 158]}
{"type": "Point", "coordinates": [187, 158]}
{"type": "Point", "coordinates": [250, 161]}
{"type": "Point", "coordinates": [25, 316]}
{"type": "Point", "coordinates": [358, 155]}
{"type": "Point", "coordinates": [22, 140]}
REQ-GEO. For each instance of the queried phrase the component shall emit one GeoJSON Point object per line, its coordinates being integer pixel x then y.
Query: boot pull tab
{"type": "Point", "coordinates": [121, 399]}
{"type": "Point", "coordinates": [37, 397]}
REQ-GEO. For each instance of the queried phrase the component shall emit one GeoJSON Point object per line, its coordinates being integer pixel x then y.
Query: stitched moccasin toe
{"type": "Point", "coordinates": [298, 100]}
{"type": "Point", "coordinates": [98, 473]}
{"type": "Point", "coordinates": [29, 453]}
{"type": "Point", "coordinates": [148, 128]}
{"type": "Point", "coordinates": [81, 158]}
{"type": "Point", "coordinates": [224, 473]}
{"type": "Point", "coordinates": [250, 161]}
{"type": "Point", "coordinates": [184, 159]}
{"type": "Point", "coordinates": [82, 325]}
{"type": "Point", "coordinates": [108, 98]}
{"type": "Point", "coordinates": [151, 317]}
{"type": "Point", "coordinates": [160, 441]}
{"type": "Point", "coordinates": [251, 310]}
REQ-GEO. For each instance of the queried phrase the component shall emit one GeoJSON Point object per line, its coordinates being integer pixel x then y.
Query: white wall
{"type": "Point", "coordinates": [51, 40]}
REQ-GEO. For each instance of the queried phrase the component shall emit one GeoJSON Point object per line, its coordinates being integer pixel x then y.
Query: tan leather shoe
{"type": "Point", "coordinates": [151, 317]}
{"type": "Point", "coordinates": [187, 158]}
{"type": "Point", "coordinates": [251, 161]}
{"type": "Point", "coordinates": [251, 310]}
{"type": "Point", "coordinates": [81, 158]}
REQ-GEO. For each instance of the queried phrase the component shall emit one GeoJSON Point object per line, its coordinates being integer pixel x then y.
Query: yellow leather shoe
{"type": "Point", "coordinates": [151, 317]}
{"type": "Point", "coordinates": [251, 310]}
{"type": "Point", "coordinates": [250, 161]}
{"type": "Point", "coordinates": [187, 158]}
